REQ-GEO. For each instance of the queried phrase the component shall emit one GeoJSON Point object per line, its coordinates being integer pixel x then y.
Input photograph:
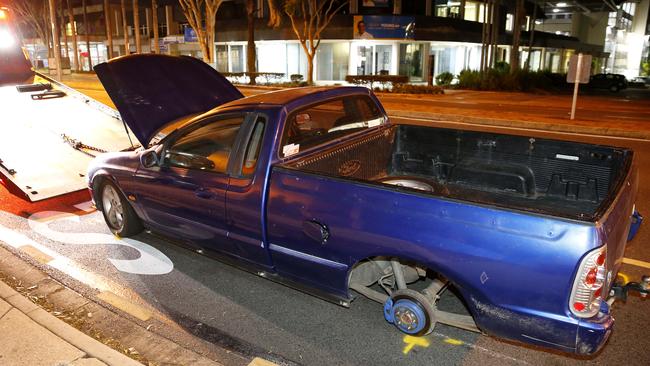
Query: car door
{"type": "Point", "coordinates": [184, 195]}
{"type": "Point", "coordinates": [245, 200]}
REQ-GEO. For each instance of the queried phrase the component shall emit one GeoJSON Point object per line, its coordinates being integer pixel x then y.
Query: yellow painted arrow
{"type": "Point", "coordinates": [414, 341]}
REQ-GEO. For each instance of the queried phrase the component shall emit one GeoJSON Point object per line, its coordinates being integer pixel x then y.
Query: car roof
{"type": "Point", "coordinates": [294, 97]}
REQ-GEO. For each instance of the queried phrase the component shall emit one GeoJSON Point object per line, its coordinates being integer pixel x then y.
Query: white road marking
{"type": "Point", "coordinates": [151, 260]}
{"type": "Point", "coordinates": [86, 206]}
{"type": "Point", "coordinates": [521, 129]}
{"type": "Point", "coordinates": [636, 262]}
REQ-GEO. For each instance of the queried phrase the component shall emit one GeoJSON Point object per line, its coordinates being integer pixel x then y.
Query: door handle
{"type": "Point", "coordinates": [316, 231]}
{"type": "Point", "coordinates": [203, 193]}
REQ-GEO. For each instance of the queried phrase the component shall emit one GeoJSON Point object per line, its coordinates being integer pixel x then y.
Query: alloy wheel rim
{"type": "Point", "coordinates": [112, 206]}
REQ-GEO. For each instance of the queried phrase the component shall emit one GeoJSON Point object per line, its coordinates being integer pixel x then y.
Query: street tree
{"type": "Point", "coordinates": [309, 18]}
{"type": "Point", "coordinates": [35, 14]}
{"type": "Point", "coordinates": [202, 14]}
{"type": "Point", "coordinates": [516, 35]}
{"type": "Point", "coordinates": [251, 53]}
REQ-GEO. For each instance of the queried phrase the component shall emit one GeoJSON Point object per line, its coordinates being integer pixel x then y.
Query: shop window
{"type": "Point", "coordinates": [411, 61]}
{"type": "Point", "coordinates": [471, 11]}
{"type": "Point", "coordinates": [237, 58]}
{"type": "Point", "coordinates": [332, 61]}
{"type": "Point", "coordinates": [222, 58]}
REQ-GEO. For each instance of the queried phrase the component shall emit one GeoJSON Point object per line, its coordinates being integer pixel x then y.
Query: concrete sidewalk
{"type": "Point", "coordinates": [31, 336]}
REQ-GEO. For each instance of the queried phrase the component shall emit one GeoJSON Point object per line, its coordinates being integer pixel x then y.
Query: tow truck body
{"type": "Point", "coordinates": [49, 131]}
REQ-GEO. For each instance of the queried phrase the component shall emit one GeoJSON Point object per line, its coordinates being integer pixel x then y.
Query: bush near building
{"type": "Point", "coordinates": [239, 77]}
{"type": "Point", "coordinates": [444, 78]}
{"type": "Point", "coordinates": [417, 89]}
{"type": "Point", "coordinates": [501, 79]}
{"type": "Point", "coordinates": [386, 81]}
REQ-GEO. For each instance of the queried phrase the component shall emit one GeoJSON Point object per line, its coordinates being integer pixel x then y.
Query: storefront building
{"type": "Point", "coordinates": [401, 42]}
{"type": "Point", "coordinates": [416, 38]}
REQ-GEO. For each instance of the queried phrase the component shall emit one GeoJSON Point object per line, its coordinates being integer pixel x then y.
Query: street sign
{"type": "Point", "coordinates": [579, 70]}
{"type": "Point", "coordinates": [579, 74]}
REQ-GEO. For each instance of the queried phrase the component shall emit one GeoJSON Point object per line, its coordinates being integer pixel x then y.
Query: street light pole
{"type": "Point", "coordinates": [55, 38]}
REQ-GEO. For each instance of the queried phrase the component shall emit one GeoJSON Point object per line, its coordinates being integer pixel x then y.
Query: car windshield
{"type": "Point", "coordinates": [321, 123]}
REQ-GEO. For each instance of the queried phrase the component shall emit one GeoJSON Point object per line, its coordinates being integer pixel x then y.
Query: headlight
{"type": "Point", "coordinates": [6, 39]}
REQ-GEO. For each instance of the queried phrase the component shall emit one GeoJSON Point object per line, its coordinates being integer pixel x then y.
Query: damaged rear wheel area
{"type": "Point", "coordinates": [410, 294]}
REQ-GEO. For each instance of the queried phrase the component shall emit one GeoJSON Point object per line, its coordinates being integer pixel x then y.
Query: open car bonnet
{"type": "Point", "coordinates": [153, 90]}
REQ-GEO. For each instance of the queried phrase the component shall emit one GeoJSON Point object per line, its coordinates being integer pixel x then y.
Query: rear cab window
{"type": "Point", "coordinates": [323, 122]}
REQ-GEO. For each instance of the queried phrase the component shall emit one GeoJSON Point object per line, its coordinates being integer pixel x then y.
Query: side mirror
{"type": "Point", "coordinates": [149, 159]}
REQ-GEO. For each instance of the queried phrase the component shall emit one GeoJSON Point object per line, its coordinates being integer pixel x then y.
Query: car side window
{"type": "Point", "coordinates": [207, 147]}
{"type": "Point", "coordinates": [326, 121]}
{"type": "Point", "coordinates": [253, 148]}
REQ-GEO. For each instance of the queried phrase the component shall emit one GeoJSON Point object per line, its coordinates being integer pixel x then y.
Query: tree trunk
{"type": "Point", "coordinates": [136, 27]}
{"type": "Point", "coordinates": [516, 37]}
{"type": "Point", "coordinates": [64, 30]}
{"type": "Point", "coordinates": [73, 27]}
{"type": "Point", "coordinates": [532, 37]}
{"type": "Point", "coordinates": [251, 55]}
{"type": "Point", "coordinates": [310, 68]}
{"type": "Point", "coordinates": [109, 28]}
{"type": "Point", "coordinates": [125, 29]}
{"type": "Point", "coordinates": [154, 16]}
{"type": "Point", "coordinates": [87, 34]}
{"type": "Point", "coordinates": [55, 39]}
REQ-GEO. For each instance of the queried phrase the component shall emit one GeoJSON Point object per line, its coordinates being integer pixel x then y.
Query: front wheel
{"type": "Point", "coordinates": [118, 213]}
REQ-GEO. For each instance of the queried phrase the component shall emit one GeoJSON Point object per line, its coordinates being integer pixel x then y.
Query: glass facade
{"type": "Point", "coordinates": [412, 60]}
{"type": "Point", "coordinates": [332, 61]}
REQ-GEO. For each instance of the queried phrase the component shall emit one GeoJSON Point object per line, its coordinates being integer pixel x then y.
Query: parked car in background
{"type": "Point", "coordinates": [612, 82]}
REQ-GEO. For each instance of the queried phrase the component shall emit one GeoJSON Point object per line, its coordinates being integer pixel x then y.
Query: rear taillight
{"type": "Point", "coordinates": [587, 292]}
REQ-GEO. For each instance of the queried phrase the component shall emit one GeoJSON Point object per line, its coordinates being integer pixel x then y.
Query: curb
{"type": "Point", "coordinates": [59, 328]}
{"type": "Point", "coordinates": [557, 126]}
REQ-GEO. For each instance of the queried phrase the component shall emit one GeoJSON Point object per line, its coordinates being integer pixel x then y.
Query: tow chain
{"type": "Point", "coordinates": [78, 145]}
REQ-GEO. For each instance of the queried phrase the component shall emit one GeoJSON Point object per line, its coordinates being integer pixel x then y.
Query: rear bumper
{"type": "Point", "coordinates": [593, 333]}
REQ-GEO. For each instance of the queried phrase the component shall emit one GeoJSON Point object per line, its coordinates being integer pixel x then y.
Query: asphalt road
{"type": "Point", "coordinates": [227, 307]}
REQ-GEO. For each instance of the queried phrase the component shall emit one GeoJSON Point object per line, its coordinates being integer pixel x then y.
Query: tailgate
{"type": "Point", "coordinates": [614, 225]}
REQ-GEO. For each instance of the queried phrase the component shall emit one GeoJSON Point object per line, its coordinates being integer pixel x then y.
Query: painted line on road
{"type": "Point", "coordinates": [258, 361]}
{"type": "Point", "coordinates": [469, 124]}
{"type": "Point", "coordinates": [125, 305]}
{"type": "Point", "coordinates": [489, 352]}
{"type": "Point", "coordinates": [36, 254]}
{"type": "Point", "coordinates": [636, 262]}
{"type": "Point", "coordinates": [86, 206]}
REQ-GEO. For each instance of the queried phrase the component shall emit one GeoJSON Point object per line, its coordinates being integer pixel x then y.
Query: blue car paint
{"type": "Point", "coordinates": [515, 270]}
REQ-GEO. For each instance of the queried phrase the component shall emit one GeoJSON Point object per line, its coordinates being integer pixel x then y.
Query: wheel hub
{"type": "Point", "coordinates": [406, 318]}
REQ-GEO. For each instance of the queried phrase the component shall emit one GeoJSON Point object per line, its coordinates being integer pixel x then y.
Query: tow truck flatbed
{"type": "Point", "coordinates": [46, 143]}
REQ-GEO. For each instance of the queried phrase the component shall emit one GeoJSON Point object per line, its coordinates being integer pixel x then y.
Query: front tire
{"type": "Point", "coordinates": [118, 213]}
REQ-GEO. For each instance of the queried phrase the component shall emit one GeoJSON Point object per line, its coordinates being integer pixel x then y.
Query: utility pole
{"type": "Point", "coordinates": [55, 39]}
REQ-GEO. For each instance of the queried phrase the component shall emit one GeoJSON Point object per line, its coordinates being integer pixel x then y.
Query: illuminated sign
{"type": "Point", "coordinates": [383, 27]}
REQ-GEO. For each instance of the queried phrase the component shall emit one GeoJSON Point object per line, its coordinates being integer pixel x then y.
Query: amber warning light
{"type": "Point", "coordinates": [3, 14]}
